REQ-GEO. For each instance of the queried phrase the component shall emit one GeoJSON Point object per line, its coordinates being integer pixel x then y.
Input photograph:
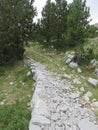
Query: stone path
{"type": "Point", "coordinates": [56, 106]}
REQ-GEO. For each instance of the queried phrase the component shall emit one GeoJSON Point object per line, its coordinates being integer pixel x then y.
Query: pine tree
{"type": "Point", "coordinates": [77, 23]}
{"type": "Point", "coordinates": [61, 18]}
{"type": "Point", "coordinates": [47, 21]}
{"type": "Point", "coordinates": [16, 22]}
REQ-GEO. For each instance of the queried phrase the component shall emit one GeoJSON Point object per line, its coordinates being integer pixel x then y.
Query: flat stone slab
{"type": "Point", "coordinates": [40, 120]}
{"type": "Point", "coordinates": [34, 127]}
{"type": "Point", "coordinates": [85, 124]}
{"type": "Point", "coordinates": [41, 109]}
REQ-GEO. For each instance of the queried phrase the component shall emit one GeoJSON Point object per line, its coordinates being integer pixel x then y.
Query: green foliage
{"type": "Point", "coordinates": [15, 116]}
{"type": "Point", "coordinates": [15, 28]}
{"type": "Point", "coordinates": [61, 18]}
{"type": "Point", "coordinates": [67, 24]}
{"type": "Point", "coordinates": [92, 31]}
{"type": "Point", "coordinates": [54, 17]}
{"type": "Point", "coordinates": [48, 20]}
{"type": "Point", "coordinates": [77, 23]}
{"type": "Point", "coordinates": [83, 56]}
{"type": "Point", "coordinates": [2, 71]}
{"type": "Point", "coordinates": [15, 112]}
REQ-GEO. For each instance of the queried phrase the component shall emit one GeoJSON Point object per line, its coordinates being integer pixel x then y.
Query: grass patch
{"type": "Point", "coordinates": [15, 94]}
{"type": "Point", "coordinates": [53, 59]}
{"type": "Point", "coordinates": [14, 116]}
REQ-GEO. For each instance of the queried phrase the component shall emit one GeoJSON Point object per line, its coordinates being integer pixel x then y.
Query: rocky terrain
{"type": "Point", "coordinates": [57, 104]}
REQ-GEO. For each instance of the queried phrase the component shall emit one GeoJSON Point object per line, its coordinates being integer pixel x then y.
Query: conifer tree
{"type": "Point", "coordinates": [77, 23]}
{"type": "Point", "coordinates": [47, 21]}
{"type": "Point", "coordinates": [16, 20]}
{"type": "Point", "coordinates": [61, 18]}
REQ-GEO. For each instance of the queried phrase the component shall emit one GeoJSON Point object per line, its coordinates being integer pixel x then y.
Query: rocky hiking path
{"type": "Point", "coordinates": [56, 105]}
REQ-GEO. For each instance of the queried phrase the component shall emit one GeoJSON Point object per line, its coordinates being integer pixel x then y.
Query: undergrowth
{"type": "Point", "coordinates": [15, 95]}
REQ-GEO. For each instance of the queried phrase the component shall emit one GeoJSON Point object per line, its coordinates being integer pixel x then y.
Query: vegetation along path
{"type": "Point", "coordinates": [56, 105]}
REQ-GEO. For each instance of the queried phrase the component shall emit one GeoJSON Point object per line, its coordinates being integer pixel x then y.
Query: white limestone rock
{"type": "Point", "coordinates": [40, 120]}
{"type": "Point", "coordinates": [41, 109]}
{"type": "Point", "coordinates": [95, 104]}
{"type": "Point", "coordinates": [73, 65]}
{"type": "Point", "coordinates": [12, 83]}
{"type": "Point", "coordinates": [67, 76]}
{"type": "Point", "coordinates": [29, 73]}
{"type": "Point", "coordinates": [79, 70]}
{"type": "Point", "coordinates": [76, 81]}
{"type": "Point", "coordinates": [34, 127]}
{"type": "Point", "coordinates": [82, 89]}
{"type": "Point", "coordinates": [93, 81]}
{"type": "Point", "coordinates": [85, 124]}
{"type": "Point", "coordinates": [94, 62]}
{"type": "Point", "coordinates": [2, 103]}
{"type": "Point", "coordinates": [69, 57]}
{"type": "Point", "coordinates": [68, 60]}
{"type": "Point", "coordinates": [96, 72]}
{"type": "Point", "coordinates": [87, 96]}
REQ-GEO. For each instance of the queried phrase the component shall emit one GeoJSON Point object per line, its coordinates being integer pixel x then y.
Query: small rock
{"type": "Point", "coordinates": [29, 73]}
{"type": "Point", "coordinates": [82, 89]}
{"type": "Point", "coordinates": [11, 83]}
{"type": "Point", "coordinates": [75, 95]}
{"type": "Point", "coordinates": [67, 76]}
{"type": "Point", "coordinates": [69, 56]}
{"type": "Point", "coordinates": [79, 70]}
{"type": "Point", "coordinates": [88, 94]}
{"type": "Point", "coordinates": [1, 103]}
{"type": "Point", "coordinates": [93, 82]}
{"type": "Point", "coordinates": [68, 61]}
{"type": "Point", "coordinates": [95, 104]}
{"type": "Point", "coordinates": [23, 83]}
{"type": "Point", "coordinates": [94, 62]}
{"type": "Point", "coordinates": [96, 72]}
{"type": "Point", "coordinates": [73, 65]}
{"type": "Point", "coordinates": [86, 98]}
{"type": "Point", "coordinates": [76, 81]}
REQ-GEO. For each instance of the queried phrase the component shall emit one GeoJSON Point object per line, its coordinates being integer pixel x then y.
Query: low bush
{"type": "Point", "coordinates": [83, 56]}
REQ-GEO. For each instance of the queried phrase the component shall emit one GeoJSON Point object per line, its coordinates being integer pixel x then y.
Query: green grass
{"type": "Point", "coordinates": [14, 116]}
{"type": "Point", "coordinates": [14, 112]}
{"type": "Point", "coordinates": [53, 59]}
